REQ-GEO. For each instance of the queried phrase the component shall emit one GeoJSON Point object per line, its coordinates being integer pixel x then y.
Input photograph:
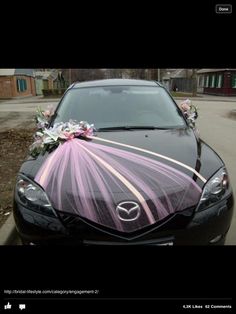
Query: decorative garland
{"type": "Point", "coordinates": [84, 177]}
{"type": "Point", "coordinates": [190, 111]}
{"type": "Point", "coordinates": [47, 139]}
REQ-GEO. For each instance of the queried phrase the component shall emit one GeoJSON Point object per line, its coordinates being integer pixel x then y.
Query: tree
{"type": "Point", "coordinates": [113, 73]}
{"type": "Point", "coordinates": [194, 78]}
{"type": "Point", "coordinates": [80, 75]}
{"type": "Point", "coordinates": [126, 73]}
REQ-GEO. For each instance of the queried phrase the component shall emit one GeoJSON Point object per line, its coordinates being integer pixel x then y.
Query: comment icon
{"type": "Point", "coordinates": [22, 306]}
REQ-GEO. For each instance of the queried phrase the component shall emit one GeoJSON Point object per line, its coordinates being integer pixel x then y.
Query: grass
{"type": "Point", "coordinates": [51, 96]}
{"type": "Point", "coordinates": [182, 94]}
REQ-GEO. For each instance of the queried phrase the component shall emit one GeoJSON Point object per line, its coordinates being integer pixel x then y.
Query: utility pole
{"type": "Point", "coordinates": [69, 76]}
{"type": "Point", "coordinates": [194, 77]}
{"type": "Point", "coordinates": [159, 75]}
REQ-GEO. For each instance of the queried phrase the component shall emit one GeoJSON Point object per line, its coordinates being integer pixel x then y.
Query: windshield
{"type": "Point", "coordinates": [118, 106]}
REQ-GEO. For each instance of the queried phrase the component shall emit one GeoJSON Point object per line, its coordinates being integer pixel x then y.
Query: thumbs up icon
{"type": "Point", "coordinates": [7, 306]}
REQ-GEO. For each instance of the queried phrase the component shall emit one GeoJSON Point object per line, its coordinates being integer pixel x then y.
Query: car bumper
{"type": "Point", "coordinates": [208, 227]}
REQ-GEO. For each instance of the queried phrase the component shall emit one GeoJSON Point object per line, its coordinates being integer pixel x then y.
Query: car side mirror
{"type": "Point", "coordinates": [189, 111]}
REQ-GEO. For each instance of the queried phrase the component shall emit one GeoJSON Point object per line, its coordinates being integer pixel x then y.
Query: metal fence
{"type": "Point", "coordinates": [181, 84]}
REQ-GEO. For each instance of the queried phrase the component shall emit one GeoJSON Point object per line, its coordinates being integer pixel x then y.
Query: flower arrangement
{"type": "Point", "coordinates": [47, 139]}
{"type": "Point", "coordinates": [42, 118]}
{"type": "Point", "coordinates": [190, 111]}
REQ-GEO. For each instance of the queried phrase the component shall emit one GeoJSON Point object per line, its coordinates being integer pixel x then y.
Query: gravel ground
{"type": "Point", "coordinates": [13, 150]}
{"type": "Point", "coordinates": [17, 126]}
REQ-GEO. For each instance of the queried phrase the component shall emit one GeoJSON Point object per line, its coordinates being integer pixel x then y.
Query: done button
{"type": "Point", "coordinates": [224, 8]}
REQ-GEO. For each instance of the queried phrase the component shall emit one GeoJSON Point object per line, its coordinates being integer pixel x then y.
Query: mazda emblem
{"type": "Point", "coordinates": [128, 211]}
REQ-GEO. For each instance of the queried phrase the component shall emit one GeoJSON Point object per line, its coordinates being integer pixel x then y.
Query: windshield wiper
{"type": "Point", "coordinates": [132, 127]}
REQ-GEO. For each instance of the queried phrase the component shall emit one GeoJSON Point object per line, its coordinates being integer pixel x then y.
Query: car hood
{"type": "Point", "coordinates": [126, 180]}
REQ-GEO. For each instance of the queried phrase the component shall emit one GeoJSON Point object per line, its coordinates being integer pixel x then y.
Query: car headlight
{"type": "Point", "coordinates": [32, 196]}
{"type": "Point", "coordinates": [215, 189]}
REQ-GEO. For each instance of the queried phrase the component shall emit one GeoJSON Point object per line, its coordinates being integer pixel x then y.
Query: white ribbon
{"type": "Point", "coordinates": [152, 153]}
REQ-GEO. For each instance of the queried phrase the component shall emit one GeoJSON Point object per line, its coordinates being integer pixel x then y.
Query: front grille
{"type": "Point", "coordinates": [69, 220]}
{"type": "Point", "coordinates": [93, 234]}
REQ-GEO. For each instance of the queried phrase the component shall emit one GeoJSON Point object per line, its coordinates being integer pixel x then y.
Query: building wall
{"type": "Point", "coordinates": [8, 86]}
{"type": "Point", "coordinates": [30, 86]}
{"type": "Point", "coordinates": [45, 84]}
{"type": "Point", "coordinates": [39, 86]}
{"type": "Point", "coordinates": [226, 89]}
{"type": "Point", "coordinates": [33, 87]}
{"type": "Point", "coordinates": [50, 84]}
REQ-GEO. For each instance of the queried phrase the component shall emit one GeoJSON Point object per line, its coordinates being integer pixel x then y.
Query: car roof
{"type": "Point", "coordinates": [115, 82]}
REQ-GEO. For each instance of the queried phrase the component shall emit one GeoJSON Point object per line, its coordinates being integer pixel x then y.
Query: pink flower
{"type": "Point", "coordinates": [69, 136]}
{"type": "Point", "coordinates": [88, 132]}
{"type": "Point", "coordinates": [46, 113]}
{"type": "Point", "coordinates": [185, 107]}
{"type": "Point", "coordinates": [79, 133]}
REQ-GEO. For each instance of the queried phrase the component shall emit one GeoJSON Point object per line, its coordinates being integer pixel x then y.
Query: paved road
{"type": "Point", "coordinates": [216, 128]}
{"type": "Point", "coordinates": [15, 114]}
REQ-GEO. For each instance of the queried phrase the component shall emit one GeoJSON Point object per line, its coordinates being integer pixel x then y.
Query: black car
{"type": "Point", "coordinates": [144, 176]}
